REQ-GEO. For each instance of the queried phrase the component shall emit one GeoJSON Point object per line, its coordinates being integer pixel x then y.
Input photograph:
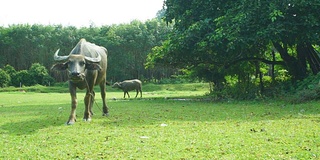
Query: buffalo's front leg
{"type": "Point", "coordinates": [74, 103]}
{"type": "Point", "coordinates": [91, 102]}
{"type": "Point", "coordinates": [126, 92]}
{"type": "Point", "coordinates": [88, 100]}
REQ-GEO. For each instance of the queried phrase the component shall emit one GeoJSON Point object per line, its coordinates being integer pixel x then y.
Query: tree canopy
{"type": "Point", "coordinates": [23, 45]}
{"type": "Point", "coordinates": [216, 39]}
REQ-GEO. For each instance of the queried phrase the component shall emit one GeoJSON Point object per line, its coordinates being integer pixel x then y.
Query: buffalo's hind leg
{"type": "Point", "coordinates": [140, 93]}
{"type": "Point", "coordinates": [103, 97]}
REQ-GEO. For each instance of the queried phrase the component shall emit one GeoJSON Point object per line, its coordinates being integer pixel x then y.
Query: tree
{"type": "Point", "coordinates": [128, 46]}
{"type": "Point", "coordinates": [216, 39]}
{"type": "Point", "coordinates": [290, 26]}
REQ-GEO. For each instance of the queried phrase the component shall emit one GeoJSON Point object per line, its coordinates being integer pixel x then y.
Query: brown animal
{"type": "Point", "coordinates": [129, 85]}
{"type": "Point", "coordinates": [87, 66]}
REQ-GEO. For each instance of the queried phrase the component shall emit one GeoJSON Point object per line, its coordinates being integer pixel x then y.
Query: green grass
{"type": "Point", "coordinates": [148, 87]}
{"type": "Point", "coordinates": [33, 126]}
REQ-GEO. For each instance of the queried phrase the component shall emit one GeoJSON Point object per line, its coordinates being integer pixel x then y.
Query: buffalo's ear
{"type": "Point", "coordinates": [93, 66]}
{"type": "Point", "coordinates": [60, 66]}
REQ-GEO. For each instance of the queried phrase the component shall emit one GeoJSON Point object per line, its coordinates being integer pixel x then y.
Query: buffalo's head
{"type": "Point", "coordinates": [76, 64]}
{"type": "Point", "coordinates": [117, 85]}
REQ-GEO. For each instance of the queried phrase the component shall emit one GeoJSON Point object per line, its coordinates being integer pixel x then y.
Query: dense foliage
{"type": "Point", "coordinates": [240, 43]}
{"type": "Point", "coordinates": [4, 78]}
{"type": "Point", "coordinates": [36, 74]}
{"type": "Point", "coordinates": [127, 44]}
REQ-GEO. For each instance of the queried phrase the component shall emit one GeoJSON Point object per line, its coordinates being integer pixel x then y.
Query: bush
{"type": "Point", "coordinates": [22, 78]}
{"type": "Point", "coordinates": [48, 81]}
{"type": "Point", "coordinates": [306, 95]}
{"type": "Point", "coordinates": [39, 74]}
{"type": "Point", "coordinates": [173, 80]}
{"type": "Point", "coordinates": [4, 78]}
{"type": "Point", "coordinates": [307, 90]}
{"type": "Point", "coordinates": [11, 71]}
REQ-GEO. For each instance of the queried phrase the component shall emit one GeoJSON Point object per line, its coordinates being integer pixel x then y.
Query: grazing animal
{"type": "Point", "coordinates": [129, 85]}
{"type": "Point", "coordinates": [87, 66]}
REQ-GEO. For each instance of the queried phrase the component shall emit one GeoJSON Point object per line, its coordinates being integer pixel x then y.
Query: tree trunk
{"type": "Point", "coordinates": [259, 74]}
{"type": "Point", "coordinates": [296, 67]}
{"type": "Point", "coordinates": [312, 57]}
{"type": "Point", "coordinates": [271, 67]}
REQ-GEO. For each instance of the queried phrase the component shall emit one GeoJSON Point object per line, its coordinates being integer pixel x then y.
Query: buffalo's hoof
{"type": "Point", "coordinates": [105, 114]}
{"type": "Point", "coordinates": [70, 123]}
{"type": "Point", "coordinates": [87, 119]}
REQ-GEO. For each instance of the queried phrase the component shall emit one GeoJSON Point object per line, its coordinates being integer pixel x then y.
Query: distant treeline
{"type": "Point", "coordinates": [128, 46]}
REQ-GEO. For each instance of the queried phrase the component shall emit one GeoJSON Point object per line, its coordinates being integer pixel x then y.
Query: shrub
{"type": "Point", "coordinates": [4, 78]}
{"type": "Point", "coordinates": [11, 71]}
{"type": "Point", "coordinates": [38, 73]}
{"type": "Point", "coordinates": [22, 77]}
{"type": "Point", "coordinates": [306, 95]}
{"type": "Point", "coordinates": [306, 90]}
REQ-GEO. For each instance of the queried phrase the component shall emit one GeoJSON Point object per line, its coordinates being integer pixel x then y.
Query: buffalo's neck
{"type": "Point", "coordinates": [79, 84]}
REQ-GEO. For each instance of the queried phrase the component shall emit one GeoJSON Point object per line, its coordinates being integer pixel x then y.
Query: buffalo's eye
{"type": "Point", "coordinates": [82, 63]}
{"type": "Point", "coordinates": [70, 63]}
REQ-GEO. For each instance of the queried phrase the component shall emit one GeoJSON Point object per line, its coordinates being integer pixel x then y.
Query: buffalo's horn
{"type": "Point", "coordinates": [59, 58]}
{"type": "Point", "coordinates": [91, 59]}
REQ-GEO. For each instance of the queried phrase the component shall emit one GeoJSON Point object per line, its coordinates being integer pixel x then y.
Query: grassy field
{"type": "Point", "coordinates": [164, 124]}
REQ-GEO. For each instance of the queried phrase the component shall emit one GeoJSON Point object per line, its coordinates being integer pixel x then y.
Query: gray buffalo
{"type": "Point", "coordinates": [129, 85]}
{"type": "Point", "coordinates": [87, 66]}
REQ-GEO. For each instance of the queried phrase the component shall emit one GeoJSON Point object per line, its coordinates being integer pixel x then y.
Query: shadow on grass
{"type": "Point", "coordinates": [30, 126]}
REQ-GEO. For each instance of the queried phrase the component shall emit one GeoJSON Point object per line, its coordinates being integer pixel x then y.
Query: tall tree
{"type": "Point", "coordinates": [213, 39]}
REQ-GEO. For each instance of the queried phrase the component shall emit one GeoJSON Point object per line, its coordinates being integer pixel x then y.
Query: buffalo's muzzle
{"type": "Point", "coordinates": [75, 76]}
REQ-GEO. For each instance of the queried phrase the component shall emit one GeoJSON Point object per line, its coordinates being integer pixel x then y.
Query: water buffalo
{"type": "Point", "coordinates": [129, 85]}
{"type": "Point", "coordinates": [87, 66]}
